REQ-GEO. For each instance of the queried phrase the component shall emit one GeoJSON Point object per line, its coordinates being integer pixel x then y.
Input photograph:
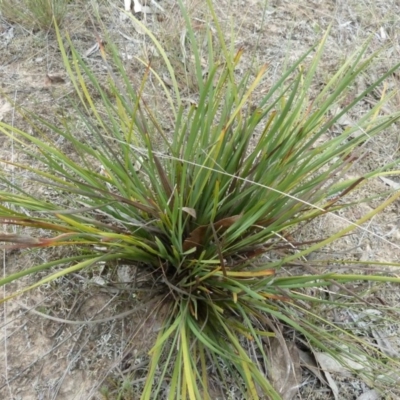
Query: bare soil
{"type": "Point", "coordinates": [46, 359]}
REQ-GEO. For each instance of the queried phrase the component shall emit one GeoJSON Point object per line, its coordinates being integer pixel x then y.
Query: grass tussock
{"type": "Point", "coordinates": [206, 210]}
{"type": "Point", "coordinates": [34, 14]}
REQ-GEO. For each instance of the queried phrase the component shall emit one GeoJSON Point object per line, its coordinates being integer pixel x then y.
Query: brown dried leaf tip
{"type": "Point", "coordinates": [53, 80]}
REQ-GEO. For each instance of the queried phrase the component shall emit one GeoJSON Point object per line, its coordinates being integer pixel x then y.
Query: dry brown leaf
{"type": "Point", "coordinates": [284, 374]}
{"type": "Point", "coordinates": [226, 222]}
{"type": "Point", "coordinates": [308, 361]}
{"type": "Point", "coordinates": [53, 80]}
{"type": "Point", "coordinates": [197, 236]}
{"type": "Point", "coordinates": [190, 211]}
{"type": "Point", "coordinates": [332, 385]}
{"type": "Point", "coordinates": [327, 364]}
{"type": "Point", "coordinates": [331, 365]}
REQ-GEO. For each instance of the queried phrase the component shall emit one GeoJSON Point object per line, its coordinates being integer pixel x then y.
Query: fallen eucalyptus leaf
{"type": "Point", "coordinates": [383, 343]}
{"type": "Point", "coordinates": [394, 185]}
{"type": "Point", "coordinates": [285, 372]}
{"type": "Point", "coordinates": [331, 365]}
{"type": "Point", "coordinates": [308, 361]}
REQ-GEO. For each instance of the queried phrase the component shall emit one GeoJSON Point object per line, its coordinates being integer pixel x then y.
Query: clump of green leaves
{"type": "Point", "coordinates": [196, 208]}
{"type": "Point", "coordinates": [39, 14]}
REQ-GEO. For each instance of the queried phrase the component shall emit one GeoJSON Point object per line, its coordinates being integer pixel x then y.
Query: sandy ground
{"type": "Point", "coordinates": [43, 359]}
